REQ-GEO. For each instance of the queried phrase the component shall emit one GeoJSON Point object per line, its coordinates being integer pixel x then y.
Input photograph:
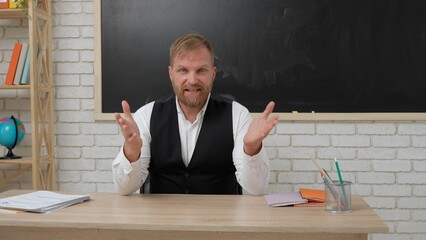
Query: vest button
{"type": "Point", "coordinates": [186, 174]}
{"type": "Point", "coordinates": [186, 191]}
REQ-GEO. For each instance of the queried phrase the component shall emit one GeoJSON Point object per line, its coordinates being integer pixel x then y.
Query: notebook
{"type": "Point", "coordinates": [312, 194]}
{"type": "Point", "coordinates": [284, 199]}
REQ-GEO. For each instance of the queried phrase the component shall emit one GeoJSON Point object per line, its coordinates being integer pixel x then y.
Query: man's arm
{"type": "Point", "coordinates": [252, 171]}
{"type": "Point", "coordinates": [129, 172]}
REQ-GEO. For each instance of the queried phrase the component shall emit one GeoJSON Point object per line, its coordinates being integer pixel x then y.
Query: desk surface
{"type": "Point", "coordinates": [197, 213]}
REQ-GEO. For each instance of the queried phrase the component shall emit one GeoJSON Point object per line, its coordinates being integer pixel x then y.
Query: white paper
{"type": "Point", "coordinates": [41, 201]}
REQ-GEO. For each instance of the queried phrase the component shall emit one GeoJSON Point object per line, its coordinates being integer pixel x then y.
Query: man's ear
{"type": "Point", "coordinates": [170, 73]}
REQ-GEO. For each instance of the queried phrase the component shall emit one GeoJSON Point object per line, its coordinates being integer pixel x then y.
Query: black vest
{"type": "Point", "coordinates": [211, 169]}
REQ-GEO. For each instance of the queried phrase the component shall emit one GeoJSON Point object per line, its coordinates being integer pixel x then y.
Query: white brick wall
{"type": "Point", "coordinates": [385, 160]}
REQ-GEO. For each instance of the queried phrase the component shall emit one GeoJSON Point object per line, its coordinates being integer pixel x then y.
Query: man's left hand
{"type": "Point", "coordinates": [259, 130]}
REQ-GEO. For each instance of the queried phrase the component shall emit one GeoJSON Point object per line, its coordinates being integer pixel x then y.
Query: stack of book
{"type": "Point", "coordinates": [19, 66]}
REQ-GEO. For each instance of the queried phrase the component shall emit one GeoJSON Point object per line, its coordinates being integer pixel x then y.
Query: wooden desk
{"type": "Point", "coordinates": [191, 217]}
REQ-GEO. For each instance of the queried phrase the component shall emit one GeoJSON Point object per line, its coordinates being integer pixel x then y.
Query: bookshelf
{"type": "Point", "coordinates": [41, 163]}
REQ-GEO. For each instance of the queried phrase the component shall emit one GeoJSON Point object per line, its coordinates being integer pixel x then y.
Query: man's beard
{"type": "Point", "coordinates": [197, 101]}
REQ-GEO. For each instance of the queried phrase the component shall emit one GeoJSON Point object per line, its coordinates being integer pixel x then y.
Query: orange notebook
{"type": "Point", "coordinates": [4, 4]}
{"type": "Point", "coordinates": [13, 64]}
{"type": "Point", "coordinates": [313, 194]}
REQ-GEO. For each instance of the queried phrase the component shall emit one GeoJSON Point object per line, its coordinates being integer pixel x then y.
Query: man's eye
{"type": "Point", "coordinates": [202, 70]}
{"type": "Point", "coordinates": [182, 70]}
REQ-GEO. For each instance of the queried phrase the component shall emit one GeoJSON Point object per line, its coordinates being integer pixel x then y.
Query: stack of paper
{"type": "Point", "coordinates": [41, 201]}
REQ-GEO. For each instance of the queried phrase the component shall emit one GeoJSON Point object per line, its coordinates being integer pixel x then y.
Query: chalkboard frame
{"type": "Point", "coordinates": [284, 116]}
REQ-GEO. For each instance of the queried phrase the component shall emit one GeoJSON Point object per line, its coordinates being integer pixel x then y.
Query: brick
{"type": "Point", "coordinates": [75, 140]}
{"type": "Point", "coordinates": [295, 128]}
{"type": "Point", "coordinates": [351, 141]}
{"type": "Point", "coordinates": [412, 178]}
{"type": "Point", "coordinates": [412, 129]}
{"type": "Point", "coordinates": [392, 190]}
{"type": "Point", "coordinates": [96, 177]}
{"type": "Point", "coordinates": [411, 227]}
{"type": "Point", "coordinates": [378, 178]}
{"type": "Point", "coordinates": [77, 164]}
{"type": "Point", "coordinates": [419, 215]}
{"type": "Point", "coordinates": [310, 141]}
{"type": "Point", "coordinates": [394, 214]}
{"type": "Point", "coordinates": [390, 141]}
{"type": "Point", "coordinates": [412, 202]}
{"type": "Point", "coordinates": [68, 152]}
{"type": "Point", "coordinates": [376, 153]}
{"type": "Point", "coordinates": [277, 141]}
{"type": "Point", "coordinates": [296, 177]}
{"type": "Point", "coordinates": [412, 153]}
{"type": "Point", "coordinates": [335, 129]}
{"type": "Point", "coordinates": [298, 153]}
{"type": "Point", "coordinates": [70, 68]}
{"type": "Point", "coordinates": [419, 166]}
{"type": "Point", "coordinates": [332, 152]}
{"type": "Point", "coordinates": [376, 128]}
{"type": "Point", "coordinates": [389, 237]}
{"type": "Point", "coordinates": [419, 141]}
{"type": "Point", "coordinates": [280, 165]}
{"type": "Point", "coordinates": [392, 166]}
{"type": "Point", "coordinates": [381, 202]}
{"type": "Point", "coordinates": [77, 187]}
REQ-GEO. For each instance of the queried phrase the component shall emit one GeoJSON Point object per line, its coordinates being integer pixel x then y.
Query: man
{"type": "Point", "coordinates": [193, 142]}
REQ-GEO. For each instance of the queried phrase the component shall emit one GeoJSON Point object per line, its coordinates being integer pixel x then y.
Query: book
{"type": "Point", "coordinates": [25, 78]}
{"type": "Point", "coordinates": [21, 62]}
{"type": "Point", "coordinates": [284, 199]}
{"type": "Point", "coordinates": [13, 64]}
{"type": "Point", "coordinates": [41, 201]}
{"type": "Point", "coordinates": [311, 204]}
{"type": "Point", "coordinates": [4, 4]}
{"type": "Point", "coordinates": [314, 195]}
{"type": "Point", "coordinates": [18, 3]}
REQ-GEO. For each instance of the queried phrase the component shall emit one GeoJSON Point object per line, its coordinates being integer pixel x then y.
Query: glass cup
{"type": "Point", "coordinates": [338, 197]}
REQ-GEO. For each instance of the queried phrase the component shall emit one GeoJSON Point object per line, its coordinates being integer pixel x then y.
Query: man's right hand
{"type": "Point", "coordinates": [130, 131]}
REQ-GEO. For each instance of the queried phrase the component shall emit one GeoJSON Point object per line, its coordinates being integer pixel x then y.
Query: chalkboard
{"type": "Point", "coordinates": [327, 56]}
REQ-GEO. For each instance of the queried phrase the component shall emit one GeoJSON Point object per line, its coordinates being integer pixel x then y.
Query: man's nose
{"type": "Point", "coordinates": [192, 78]}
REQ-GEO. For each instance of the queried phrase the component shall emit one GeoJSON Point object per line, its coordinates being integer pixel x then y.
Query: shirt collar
{"type": "Point", "coordinates": [201, 113]}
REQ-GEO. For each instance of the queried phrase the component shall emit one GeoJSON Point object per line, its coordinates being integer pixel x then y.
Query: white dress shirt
{"type": "Point", "coordinates": [252, 172]}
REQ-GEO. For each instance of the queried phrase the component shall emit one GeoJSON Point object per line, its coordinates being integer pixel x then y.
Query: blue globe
{"type": "Point", "coordinates": [8, 129]}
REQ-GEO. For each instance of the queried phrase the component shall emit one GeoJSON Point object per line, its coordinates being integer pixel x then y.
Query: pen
{"type": "Point", "coordinates": [340, 179]}
{"type": "Point", "coordinates": [322, 171]}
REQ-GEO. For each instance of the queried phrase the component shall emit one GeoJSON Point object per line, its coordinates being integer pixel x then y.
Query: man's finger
{"type": "Point", "coordinates": [268, 110]}
{"type": "Point", "coordinates": [126, 109]}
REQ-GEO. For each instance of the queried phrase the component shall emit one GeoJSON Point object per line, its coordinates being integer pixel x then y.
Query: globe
{"type": "Point", "coordinates": [12, 131]}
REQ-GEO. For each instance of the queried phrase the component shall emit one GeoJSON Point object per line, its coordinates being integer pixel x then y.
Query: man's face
{"type": "Point", "coordinates": [192, 76]}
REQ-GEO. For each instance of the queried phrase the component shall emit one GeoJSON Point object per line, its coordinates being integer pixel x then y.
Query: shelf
{"type": "Point", "coordinates": [23, 160]}
{"type": "Point", "coordinates": [41, 161]}
{"type": "Point", "coordinates": [3, 86]}
{"type": "Point", "coordinates": [12, 14]}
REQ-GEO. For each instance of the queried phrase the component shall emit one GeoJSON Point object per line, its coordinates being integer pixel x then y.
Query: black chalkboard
{"type": "Point", "coordinates": [306, 55]}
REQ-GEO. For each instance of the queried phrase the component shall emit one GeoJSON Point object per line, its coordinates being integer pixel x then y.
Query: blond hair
{"type": "Point", "coordinates": [190, 42]}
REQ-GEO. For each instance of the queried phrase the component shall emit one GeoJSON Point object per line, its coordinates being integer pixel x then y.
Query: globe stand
{"type": "Point", "coordinates": [10, 154]}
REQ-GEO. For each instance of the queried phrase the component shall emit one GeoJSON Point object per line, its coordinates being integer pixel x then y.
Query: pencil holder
{"type": "Point", "coordinates": [338, 197]}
